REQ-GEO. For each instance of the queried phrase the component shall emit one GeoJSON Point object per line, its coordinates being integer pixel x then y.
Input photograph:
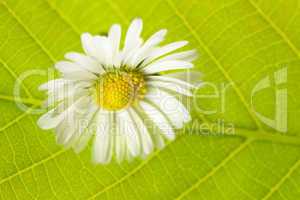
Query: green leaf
{"type": "Point", "coordinates": [240, 42]}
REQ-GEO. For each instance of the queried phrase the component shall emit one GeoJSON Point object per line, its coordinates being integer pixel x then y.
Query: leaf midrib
{"type": "Point", "coordinates": [30, 101]}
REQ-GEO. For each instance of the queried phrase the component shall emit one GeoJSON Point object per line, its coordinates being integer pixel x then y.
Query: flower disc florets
{"type": "Point", "coordinates": [120, 88]}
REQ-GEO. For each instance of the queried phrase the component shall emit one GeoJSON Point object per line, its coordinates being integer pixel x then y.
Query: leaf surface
{"type": "Point", "coordinates": [240, 43]}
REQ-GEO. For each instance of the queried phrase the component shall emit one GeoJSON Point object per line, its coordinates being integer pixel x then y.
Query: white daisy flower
{"type": "Point", "coordinates": [119, 96]}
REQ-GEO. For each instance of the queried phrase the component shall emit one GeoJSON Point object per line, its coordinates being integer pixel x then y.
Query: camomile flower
{"type": "Point", "coordinates": [120, 97]}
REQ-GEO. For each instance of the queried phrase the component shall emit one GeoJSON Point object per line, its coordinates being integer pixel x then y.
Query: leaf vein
{"type": "Point", "coordinates": [215, 169]}
{"type": "Point", "coordinates": [294, 167]}
{"type": "Point", "coordinates": [276, 28]}
{"type": "Point", "coordinates": [52, 156]}
{"type": "Point", "coordinates": [38, 42]}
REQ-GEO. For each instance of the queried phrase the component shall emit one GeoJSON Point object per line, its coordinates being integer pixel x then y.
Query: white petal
{"type": "Point", "coordinates": [159, 141]}
{"type": "Point", "coordinates": [97, 47]}
{"type": "Point", "coordinates": [133, 35]}
{"type": "Point", "coordinates": [188, 56]}
{"type": "Point", "coordinates": [170, 86]}
{"type": "Point", "coordinates": [117, 59]}
{"type": "Point", "coordinates": [120, 142]}
{"type": "Point", "coordinates": [52, 118]}
{"type": "Point", "coordinates": [59, 95]}
{"type": "Point", "coordinates": [85, 62]}
{"type": "Point", "coordinates": [114, 36]}
{"type": "Point", "coordinates": [172, 80]}
{"type": "Point", "coordinates": [168, 104]}
{"type": "Point", "coordinates": [87, 129]}
{"type": "Point", "coordinates": [164, 50]}
{"type": "Point", "coordinates": [159, 120]}
{"type": "Point", "coordinates": [81, 121]}
{"type": "Point", "coordinates": [66, 67]}
{"type": "Point", "coordinates": [71, 85]}
{"type": "Point", "coordinates": [103, 50]}
{"type": "Point", "coordinates": [69, 94]}
{"type": "Point", "coordinates": [102, 143]}
{"type": "Point", "coordinates": [146, 140]}
{"type": "Point", "coordinates": [189, 76]}
{"type": "Point", "coordinates": [167, 65]}
{"type": "Point", "coordinates": [129, 55]}
{"type": "Point", "coordinates": [143, 52]}
{"type": "Point", "coordinates": [73, 71]}
{"type": "Point", "coordinates": [65, 130]}
{"type": "Point", "coordinates": [129, 130]}
{"type": "Point", "coordinates": [156, 38]}
{"type": "Point", "coordinates": [87, 43]}
{"type": "Point", "coordinates": [79, 76]}
{"type": "Point", "coordinates": [54, 84]}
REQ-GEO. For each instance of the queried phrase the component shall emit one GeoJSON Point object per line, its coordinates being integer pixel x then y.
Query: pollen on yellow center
{"type": "Point", "coordinates": [119, 89]}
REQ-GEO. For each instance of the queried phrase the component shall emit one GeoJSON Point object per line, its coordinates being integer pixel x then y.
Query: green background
{"type": "Point", "coordinates": [239, 41]}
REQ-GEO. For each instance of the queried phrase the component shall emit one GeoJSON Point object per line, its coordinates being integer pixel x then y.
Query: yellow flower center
{"type": "Point", "coordinates": [119, 89]}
